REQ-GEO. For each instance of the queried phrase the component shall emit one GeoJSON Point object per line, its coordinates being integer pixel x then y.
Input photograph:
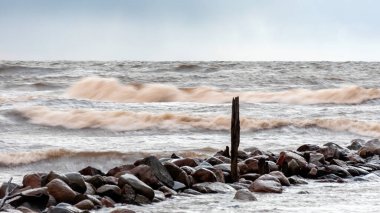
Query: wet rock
{"type": "Point", "coordinates": [252, 164]}
{"type": "Point", "coordinates": [266, 183]}
{"type": "Point", "coordinates": [215, 187]}
{"type": "Point", "coordinates": [308, 147]}
{"type": "Point", "coordinates": [76, 182]}
{"type": "Point", "coordinates": [281, 177]}
{"type": "Point", "coordinates": [32, 180]}
{"type": "Point", "coordinates": [51, 176]}
{"type": "Point", "coordinates": [203, 164]}
{"type": "Point", "coordinates": [339, 163]}
{"type": "Point", "coordinates": [224, 159]}
{"type": "Point", "coordinates": [111, 180]}
{"type": "Point", "coordinates": [139, 186]}
{"type": "Point", "coordinates": [185, 162]}
{"type": "Point", "coordinates": [293, 168]}
{"type": "Point", "coordinates": [224, 167]}
{"type": "Point", "coordinates": [122, 210]}
{"type": "Point", "coordinates": [220, 175]}
{"type": "Point", "coordinates": [168, 192]}
{"type": "Point", "coordinates": [91, 171]}
{"type": "Point", "coordinates": [96, 180]}
{"type": "Point", "coordinates": [356, 144]}
{"type": "Point", "coordinates": [317, 158]}
{"type": "Point", "coordinates": [372, 166]}
{"type": "Point", "coordinates": [145, 173]}
{"type": "Point", "coordinates": [192, 192]}
{"type": "Point", "coordinates": [61, 191]}
{"type": "Point", "coordinates": [296, 180]}
{"type": "Point", "coordinates": [85, 205]}
{"type": "Point", "coordinates": [178, 186]}
{"type": "Point", "coordinates": [159, 196]}
{"type": "Point", "coordinates": [189, 170]}
{"type": "Point", "coordinates": [158, 170]}
{"type": "Point", "coordinates": [242, 168]}
{"type": "Point", "coordinates": [124, 168]}
{"type": "Point", "coordinates": [303, 192]}
{"type": "Point", "coordinates": [111, 191]}
{"type": "Point", "coordinates": [177, 173]}
{"type": "Point", "coordinates": [242, 155]}
{"type": "Point", "coordinates": [250, 176]}
{"type": "Point", "coordinates": [204, 175]}
{"type": "Point", "coordinates": [337, 170]}
{"type": "Point", "coordinates": [141, 199]}
{"type": "Point", "coordinates": [238, 186]}
{"type": "Point", "coordinates": [95, 200]}
{"type": "Point", "coordinates": [214, 161]}
{"type": "Point", "coordinates": [355, 158]}
{"type": "Point", "coordinates": [64, 208]}
{"type": "Point", "coordinates": [90, 189]}
{"type": "Point", "coordinates": [35, 199]}
{"type": "Point", "coordinates": [244, 195]}
{"type": "Point", "coordinates": [108, 202]}
{"type": "Point", "coordinates": [128, 193]}
{"type": "Point", "coordinates": [272, 166]}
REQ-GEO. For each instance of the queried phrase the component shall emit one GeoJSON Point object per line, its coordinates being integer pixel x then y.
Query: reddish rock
{"type": "Point", "coordinates": [145, 173]}
{"type": "Point", "coordinates": [61, 191]}
{"type": "Point", "coordinates": [185, 162]}
{"type": "Point", "coordinates": [118, 169]}
{"type": "Point", "coordinates": [91, 171]}
{"type": "Point", "coordinates": [204, 175]}
{"type": "Point", "coordinates": [32, 180]}
{"type": "Point", "coordinates": [85, 205]}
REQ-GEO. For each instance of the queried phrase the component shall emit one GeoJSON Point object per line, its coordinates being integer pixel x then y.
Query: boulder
{"type": "Point", "coordinates": [128, 193]}
{"type": "Point", "coordinates": [111, 191]}
{"type": "Point", "coordinates": [145, 173]}
{"type": "Point", "coordinates": [281, 177]}
{"type": "Point", "coordinates": [296, 180]}
{"type": "Point", "coordinates": [76, 182]}
{"type": "Point", "coordinates": [185, 162]}
{"type": "Point", "coordinates": [204, 175]}
{"type": "Point", "coordinates": [168, 192]}
{"type": "Point", "coordinates": [317, 159]}
{"type": "Point", "coordinates": [215, 187]}
{"type": "Point", "coordinates": [337, 170]}
{"type": "Point", "coordinates": [214, 161]}
{"type": "Point", "coordinates": [250, 176]}
{"type": "Point", "coordinates": [266, 183]}
{"type": "Point", "coordinates": [107, 202]}
{"type": "Point", "coordinates": [32, 180]}
{"type": "Point", "coordinates": [308, 148]}
{"type": "Point", "coordinates": [64, 208]}
{"type": "Point", "coordinates": [158, 170]}
{"type": "Point", "coordinates": [122, 210]}
{"type": "Point", "coordinates": [224, 167]}
{"type": "Point", "coordinates": [177, 173]}
{"type": "Point", "coordinates": [192, 192]}
{"type": "Point", "coordinates": [91, 171]}
{"type": "Point", "coordinates": [96, 180]}
{"type": "Point", "coordinates": [356, 144]}
{"type": "Point", "coordinates": [244, 195]}
{"type": "Point", "coordinates": [85, 205]}
{"type": "Point", "coordinates": [124, 168]}
{"type": "Point", "coordinates": [252, 164]}
{"type": "Point", "coordinates": [35, 199]}
{"type": "Point", "coordinates": [139, 186]}
{"type": "Point", "coordinates": [61, 191]}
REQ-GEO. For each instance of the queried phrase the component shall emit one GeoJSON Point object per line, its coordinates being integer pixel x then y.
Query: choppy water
{"type": "Point", "coordinates": [65, 115]}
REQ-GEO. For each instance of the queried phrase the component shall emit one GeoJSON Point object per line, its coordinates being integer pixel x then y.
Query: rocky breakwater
{"type": "Point", "coordinates": [153, 180]}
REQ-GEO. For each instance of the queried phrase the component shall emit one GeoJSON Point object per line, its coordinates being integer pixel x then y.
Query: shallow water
{"type": "Point", "coordinates": [65, 115]}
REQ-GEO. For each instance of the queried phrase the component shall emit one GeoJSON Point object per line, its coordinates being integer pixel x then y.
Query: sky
{"type": "Point", "coordinates": [190, 30]}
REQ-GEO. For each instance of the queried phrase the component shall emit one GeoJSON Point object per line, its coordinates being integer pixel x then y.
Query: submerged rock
{"type": "Point", "coordinates": [244, 195]}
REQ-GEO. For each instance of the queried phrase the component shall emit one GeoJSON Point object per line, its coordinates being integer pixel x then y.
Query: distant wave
{"type": "Point", "coordinates": [21, 158]}
{"type": "Point", "coordinates": [110, 89]}
{"type": "Point", "coordinates": [126, 120]}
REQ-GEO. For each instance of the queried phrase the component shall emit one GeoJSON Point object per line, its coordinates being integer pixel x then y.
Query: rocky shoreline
{"type": "Point", "coordinates": [151, 179]}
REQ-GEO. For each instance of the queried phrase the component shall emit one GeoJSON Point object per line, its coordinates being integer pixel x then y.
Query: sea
{"type": "Point", "coordinates": [65, 115]}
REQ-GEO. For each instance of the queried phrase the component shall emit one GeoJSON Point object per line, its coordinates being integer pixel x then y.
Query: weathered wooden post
{"type": "Point", "coordinates": [235, 138]}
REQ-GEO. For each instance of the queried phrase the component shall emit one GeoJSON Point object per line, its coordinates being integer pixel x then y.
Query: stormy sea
{"type": "Point", "coordinates": [66, 115]}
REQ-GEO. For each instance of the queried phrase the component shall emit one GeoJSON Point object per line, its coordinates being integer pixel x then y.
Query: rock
{"type": "Point", "coordinates": [63, 208]}
{"type": "Point", "coordinates": [266, 183]}
{"type": "Point", "coordinates": [204, 175]}
{"type": "Point", "coordinates": [128, 193]}
{"type": "Point", "coordinates": [250, 176]}
{"type": "Point", "coordinates": [296, 180]}
{"type": "Point", "coordinates": [289, 156]}
{"type": "Point", "coordinates": [85, 205]}
{"type": "Point", "coordinates": [96, 180]}
{"type": "Point", "coordinates": [178, 186]}
{"type": "Point", "coordinates": [214, 161]}
{"type": "Point", "coordinates": [145, 173]}
{"type": "Point", "coordinates": [272, 166]}
{"type": "Point", "coordinates": [353, 157]}
{"type": "Point", "coordinates": [203, 164]}
{"type": "Point", "coordinates": [238, 186]}
{"type": "Point", "coordinates": [252, 164]}
{"type": "Point", "coordinates": [34, 199]}
{"type": "Point", "coordinates": [308, 147]}
{"type": "Point", "coordinates": [122, 210]}
{"type": "Point", "coordinates": [111, 180]}
{"type": "Point", "coordinates": [215, 187]}
{"type": "Point", "coordinates": [281, 177]}
{"type": "Point", "coordinates": [91, 171]}
{"type": "Point", "coordinates": [242, 155]}
{"type": "Point", "coordinates": [141, 199]}
{"type": "Point", "coordinates": [337, 170]}
{"type": "Point", "coordinates": [224, 159]}
{"type": "Point", "coordinates": [293, 168]}
{"type": "Point", "coordinates": [61, 191]}
{"type": "Point", "coordinates": [5, 185]}
{"type": "Point", "coordinates": [177, 173]}
{"type": "Point", "coordinates": [107, 202]}
{"type": "Point", "coordinates": [244, 195]}
{"type": "Point", "coordinates": [118, 169]}
{"type": "Point", "coordinates": [168, 192]}
{"type": "Point", "coordinates": [185, 162]}
{"type": "Point", "coordinates": [159, 196]}
{"type": "Point", "coordinates": [192, 192]}
{"type": "Point", "coordinates": [224, 167]}
{"type": "Point", "coordinates": [158, 170]}
{"type": "Point", "coordinates": [95, 200]}
{"type": "Point", "coordinates": [32, 180]}
{"type": "Point", "coordinates": [76, 182]}
{"type": "Point", "coordinates": [242, 168]}
{"type": "Point", "coordinates": [189, 170]}
{"type": "Point", "coordinates": [139, 186]}
{"type": "Point", "coordinates": [111, 191]}
{"type": "Point", "coordinates": [339, 163]}
{"type": "Point", "coordinates": [356, 144]}
{"type": "Point", "coordinates": [317, 158]}
{"type": "Point", "coordinates": [90, 189]}
{"type": "Point", "coordinates": [51, 176]}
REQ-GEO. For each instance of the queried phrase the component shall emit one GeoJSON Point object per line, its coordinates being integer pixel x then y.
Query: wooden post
{"type": "Point", "coordinates": [235, 138]}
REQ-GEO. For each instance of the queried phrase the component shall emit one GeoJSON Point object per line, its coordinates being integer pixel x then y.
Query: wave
{"type": "Point", "coordinates": [127, 120]}
{"type": "Point", "coordinates": [110, 89]}
{"type": "Point", "coordinates": [22, 158]}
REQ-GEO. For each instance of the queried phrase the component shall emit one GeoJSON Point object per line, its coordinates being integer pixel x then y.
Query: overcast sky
{"type": "Point", "coordinates": [336, 30]}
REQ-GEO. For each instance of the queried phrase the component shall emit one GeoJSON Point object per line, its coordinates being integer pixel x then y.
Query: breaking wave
{"type": "Point", "coordinates": [127, 120]}
{"type": "Point", "coordinates": [110, 89]}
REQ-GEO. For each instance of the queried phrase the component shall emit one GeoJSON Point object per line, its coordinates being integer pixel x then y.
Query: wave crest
{"type": "Point", "coordinates": [110, 89]}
